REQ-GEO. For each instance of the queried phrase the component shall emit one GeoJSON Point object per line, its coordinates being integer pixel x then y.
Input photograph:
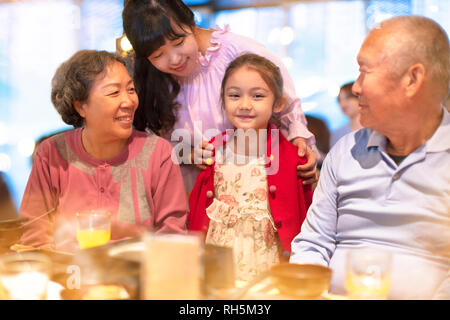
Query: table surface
{"type": "Point", "coordinates": [263, 290]}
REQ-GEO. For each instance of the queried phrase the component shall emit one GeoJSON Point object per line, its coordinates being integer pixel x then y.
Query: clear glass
{"type": "Point", "coordinates": [93, 228]}
{"type": "Point", "coordinates": [24, 276]}
{"type": "Point", "coordinates": [368, 274]}
{"type": "Point", "coordinates": [171, 268]}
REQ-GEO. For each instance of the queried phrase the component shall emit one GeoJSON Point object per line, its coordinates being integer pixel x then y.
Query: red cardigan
{"type": "Point", "coordinates": [288, 198]}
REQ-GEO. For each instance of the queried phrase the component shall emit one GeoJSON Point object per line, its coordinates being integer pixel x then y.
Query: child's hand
{"type": "Point", "coordinates": [202, 155]}
{"type": "Point", "coordinates": [307, 171]}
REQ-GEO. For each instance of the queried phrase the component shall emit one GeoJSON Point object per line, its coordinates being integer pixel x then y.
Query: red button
{"type": "Point", "coordinates": [102, 189]}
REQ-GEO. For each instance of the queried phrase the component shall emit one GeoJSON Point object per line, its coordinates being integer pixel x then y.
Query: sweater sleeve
{"type": "Point", "coordinates": [169, 196]}
{"type": "Point", "coordinates": [39, 197]}
{"type": "Point", "coordinates": [305, 192]}
{"type": "Point", "coordinates": [198, 201]}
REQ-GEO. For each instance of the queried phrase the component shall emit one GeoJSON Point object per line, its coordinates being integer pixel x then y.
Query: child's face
{"type": "Point", "coordinates": [177, 57]}
{"type": "Point", "coordinates": [248, 100]}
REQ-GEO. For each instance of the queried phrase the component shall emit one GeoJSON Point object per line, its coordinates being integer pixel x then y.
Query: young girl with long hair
{"type": "Point", "coordinates": [251, 199]}
{"type": "Point", "coordinates": [178, 68]}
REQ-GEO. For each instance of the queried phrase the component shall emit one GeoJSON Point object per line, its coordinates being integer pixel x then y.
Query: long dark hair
{"type": "Point", "coordinates": [147, 23]}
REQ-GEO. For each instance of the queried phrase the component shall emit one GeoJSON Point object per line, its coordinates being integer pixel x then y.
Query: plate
{"type": "Point", "coordinates": [54, 291]}
{"type": "Point", "coordinates": [129, 251]}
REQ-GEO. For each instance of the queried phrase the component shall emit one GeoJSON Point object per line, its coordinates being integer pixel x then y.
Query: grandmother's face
{"type": "Point", "coordinates": [112, 102]}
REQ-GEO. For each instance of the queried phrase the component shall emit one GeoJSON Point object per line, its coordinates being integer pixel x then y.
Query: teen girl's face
{"type": "Point", "coordinates": [177, 57]}
{"type": "Point", "coordinates": [248, 100]}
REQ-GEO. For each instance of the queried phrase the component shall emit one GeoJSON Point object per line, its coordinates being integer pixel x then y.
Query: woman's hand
{"type": "Point", "coordinates": [202, 155]}
{"type": "Point", "coordinates": [307, 171]}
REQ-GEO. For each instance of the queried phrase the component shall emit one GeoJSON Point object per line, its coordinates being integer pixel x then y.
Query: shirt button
{"type": "Point", "coordinates": [209, 194]}
{"type": "Point", "coordinates": [278, 224]}
{"type": "Point", "coordinates": [102, 189]}
{"type": "Point", "coordinates": [272, 189]}
{"type": "Point", "coordinates": [396, 176]}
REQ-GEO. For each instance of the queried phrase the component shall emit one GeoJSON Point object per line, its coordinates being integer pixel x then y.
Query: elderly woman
{"type": "Point", "coordinates": [103, 164]}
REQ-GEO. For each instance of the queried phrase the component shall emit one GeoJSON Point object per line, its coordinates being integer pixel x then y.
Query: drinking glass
{"type": "Point", "coordinates": [368, 274]}
{"type": "Point", "coordinates": [93, 228]}
{"type": "Point", "coordinates": [24, 276]}
{"type": "Point", "coordinates": [171, 267]}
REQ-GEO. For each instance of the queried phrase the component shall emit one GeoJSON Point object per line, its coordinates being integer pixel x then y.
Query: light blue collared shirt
{"type": "Point", "coordinates": [363, 199]}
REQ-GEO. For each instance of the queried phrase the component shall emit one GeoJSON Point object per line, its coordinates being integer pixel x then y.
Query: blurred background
{"type": "Point", "coordinates": [318, 41]}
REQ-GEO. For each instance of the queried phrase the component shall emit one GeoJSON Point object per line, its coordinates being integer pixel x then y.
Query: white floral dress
{"type": "Point", "coordinates": [240, 217]}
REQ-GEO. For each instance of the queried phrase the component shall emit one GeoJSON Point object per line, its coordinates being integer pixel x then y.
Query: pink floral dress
{"type": "Point", "coordinates": [240, 216]}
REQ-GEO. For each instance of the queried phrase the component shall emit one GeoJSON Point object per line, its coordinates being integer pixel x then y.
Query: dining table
{"type": "Point", "coordinates": [120, 264]}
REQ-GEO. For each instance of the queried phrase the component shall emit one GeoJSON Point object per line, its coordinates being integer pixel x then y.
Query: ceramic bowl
{"type": "Point", "coordinates": [304, 281]}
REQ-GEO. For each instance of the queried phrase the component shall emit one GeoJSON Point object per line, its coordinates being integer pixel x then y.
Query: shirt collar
{"type": "Point", "coordinates": [437, 143]}
{"type": "Point", "coordinates": [440, 140]}
{"type": "Point", "coordinates": [376, 140]}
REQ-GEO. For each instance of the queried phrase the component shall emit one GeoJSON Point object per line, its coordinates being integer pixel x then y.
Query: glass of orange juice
{"type": "Point", "coordinates": [368, 274]}
{"type": "Point", "coordinates": [93, 228]}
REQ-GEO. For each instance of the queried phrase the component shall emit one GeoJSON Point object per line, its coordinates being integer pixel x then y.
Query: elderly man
{"type": "Point", "coordinates": [387, 186]}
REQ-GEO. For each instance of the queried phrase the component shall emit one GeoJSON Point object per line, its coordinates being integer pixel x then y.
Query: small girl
{"type": "Point", "coordinates": [251, 199]}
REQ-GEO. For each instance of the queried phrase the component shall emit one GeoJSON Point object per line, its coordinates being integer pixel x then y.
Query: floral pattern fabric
{"type": "Point", "coordinates": [240, 217]}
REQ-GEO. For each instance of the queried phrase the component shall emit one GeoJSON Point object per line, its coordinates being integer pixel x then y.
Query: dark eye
{"type": "Point", "coordinates": [258, 96]}
{"type": "Point", "coordinates": [180, 42]}
{"type": "Point", "coordinates": [233, 95]}
{"type": "Point", "coordinates": [114, 93]}
{"type": "Point", "coordinates": [159, 55]}
{"type": "Point", "coordinates": [132, 89]}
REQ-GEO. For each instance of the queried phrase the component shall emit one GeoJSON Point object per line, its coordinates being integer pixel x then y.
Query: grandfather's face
{"type": "Point", "coordinates": [379, 92]}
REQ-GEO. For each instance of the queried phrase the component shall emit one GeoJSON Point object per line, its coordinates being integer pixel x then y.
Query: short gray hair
{"type": "Point", "coordinates": [73, 81]}
{"type": "Point", "coordinates": [419, 39]}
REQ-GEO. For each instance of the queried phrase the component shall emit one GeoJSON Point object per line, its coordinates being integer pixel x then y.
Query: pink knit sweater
{"type": "Point", "coordinates": [141, 187]}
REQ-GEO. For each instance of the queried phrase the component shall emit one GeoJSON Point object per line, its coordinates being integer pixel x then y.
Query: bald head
{"type": "Point", "coordinates": [412, 39]}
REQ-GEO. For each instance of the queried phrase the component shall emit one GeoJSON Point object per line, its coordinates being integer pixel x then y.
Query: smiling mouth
{"type": "Point", "coordinates": [245, 117]}
{"type": "Point", "coordinates": [124, 118]}
{"type": "Point", "coordinates": [361, 106]}
{"type": "Point", "coordinates": [181, 67]}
